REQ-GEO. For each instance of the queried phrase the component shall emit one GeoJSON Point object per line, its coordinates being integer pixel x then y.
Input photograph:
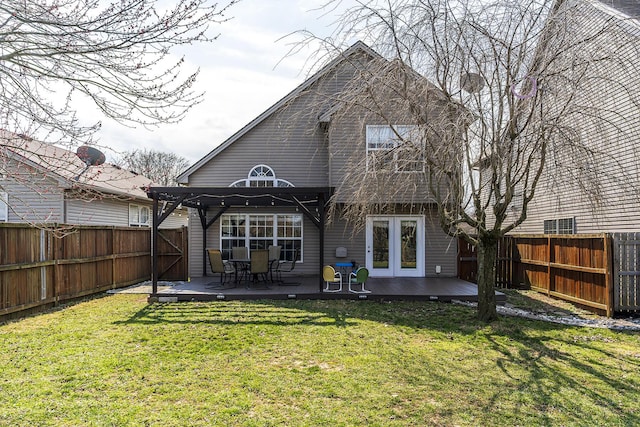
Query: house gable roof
{"type": "Point", "coordinates": [359, 46]}
{"type": "Point", "coordinates": [70, 171]}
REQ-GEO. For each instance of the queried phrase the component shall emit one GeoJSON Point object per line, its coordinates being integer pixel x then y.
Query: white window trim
{"type": "Point", "coordinates": [271, 177]}
{"type": "Point", "coordinates": [247, 232]}
{"type": "Point", "coordinates": [552, 226]}
{"type": "Point", "coordinates": [393, 145]}
{"type": "Point", "coordinates": [136, 222]}
{"type": "Point", "coordinates": [4, 207]}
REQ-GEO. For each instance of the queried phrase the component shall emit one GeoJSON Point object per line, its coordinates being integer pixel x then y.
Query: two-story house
{"type": "Point", "coordinates": [271, 182]}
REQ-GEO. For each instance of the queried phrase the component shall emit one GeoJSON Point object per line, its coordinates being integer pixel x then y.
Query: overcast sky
{"type": "Point", "coordinates": [243, 73]}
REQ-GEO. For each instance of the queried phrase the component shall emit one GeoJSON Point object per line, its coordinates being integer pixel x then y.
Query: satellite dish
{"type": "Point", "coordinates": [90, 156]}
{"type": "Point", "coordinates": [471, 82]}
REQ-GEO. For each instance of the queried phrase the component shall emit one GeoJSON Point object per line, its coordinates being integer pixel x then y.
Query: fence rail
{"type": "Point", "coordinates": [39, 269]}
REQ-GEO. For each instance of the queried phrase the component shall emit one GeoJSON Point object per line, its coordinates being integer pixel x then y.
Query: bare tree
{"type": "Point", "coordinates": [161, 167]}
{"type": "Point", "coordinates": [505, 96]}
{"type": "Point", "coordinates": [118, 54]}
{"type": "Point", "coordinates": [122, 56]}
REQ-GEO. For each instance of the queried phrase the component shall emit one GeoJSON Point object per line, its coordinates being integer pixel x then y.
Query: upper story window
{"type": "Point", "coordinates": [4, 207]}
{"type": "Point", "coordinates": [396, 148]}
{"type": "Point", "coordinates": [261, 176]}
{"type": "Point", "coordinates": [139, 216]}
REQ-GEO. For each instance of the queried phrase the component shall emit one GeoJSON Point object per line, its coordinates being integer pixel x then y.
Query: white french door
{"type": "Point", "coordinates": [395, 246]}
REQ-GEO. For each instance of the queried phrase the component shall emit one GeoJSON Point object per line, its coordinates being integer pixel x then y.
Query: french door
{"type": "Point", "coordinates": [395, 246]}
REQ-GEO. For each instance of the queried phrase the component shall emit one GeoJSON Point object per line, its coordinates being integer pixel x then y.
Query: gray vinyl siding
{"type": "Point", "coordinates": [97, 212]}
{"type": "Point", "coordinates": [342, 234]}
{"type": "Point", "coordinates": [440, 249]}
{"type": "Point", "coordinates": [605, 197]}
{"type": "Point", "coordinates": [178, 218]}
{"type": "Point", "coordinates": [295, 150]}
{"type": "Point", "coordinates": [32, 196]}
{"type": "Point", "coordinates": [106, 211]}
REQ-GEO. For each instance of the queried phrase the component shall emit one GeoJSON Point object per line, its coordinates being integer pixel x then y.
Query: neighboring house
{"type": "Point", "coordinates": [44, 184]}
{"type": "Point", "coordinates": [604, 194]}
{"type": "Point", "coordinates": [300, 143]}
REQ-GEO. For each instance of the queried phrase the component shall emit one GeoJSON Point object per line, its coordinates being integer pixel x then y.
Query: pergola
{"type": "Point", "coordinates": [212, 202]}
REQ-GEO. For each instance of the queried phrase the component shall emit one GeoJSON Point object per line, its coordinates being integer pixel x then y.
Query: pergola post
{"type": "Point", "coordinates": [321, 211]}
{"type": "Point", "coordinates": [202, 213]}
{"type": "Point", "coordinates": [154, 247]}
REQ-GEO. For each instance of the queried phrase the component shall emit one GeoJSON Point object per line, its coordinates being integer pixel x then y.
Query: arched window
{"type": "Point", "coordinates": [261, 176]}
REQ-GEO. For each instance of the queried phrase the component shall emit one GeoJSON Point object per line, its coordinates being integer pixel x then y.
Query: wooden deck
{"type": "Point", "coordinates": [427, 289]}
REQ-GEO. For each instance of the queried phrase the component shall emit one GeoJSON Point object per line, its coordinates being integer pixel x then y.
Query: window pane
{"type": "Point", "coordinates": [227, 244]}
{"type": "Point", "coordinates": [290, 226]}
{"type": "Point", "coordinates": [550, 226]}
{"type": "Point", "coordinates": [144, 215]}
{"type": "Point", "coordinates": [409, 249]}
{"type": "Point", "coordinates": [233, 226]}
{"type": "Point", "coordinates": [134, 215]}
{"type": "Point", "coordinates": [261, 226]}
{"type": "Point", "coordinates": [381, 244]}
{"type": "Point", "coordinates": [4, 208]}
{"type": "Point", "coordinates": [288, 249]}
{"type": "Point", "coordinates": [565, 226]}
{"type": "Point", "coordinates": [259, 244]}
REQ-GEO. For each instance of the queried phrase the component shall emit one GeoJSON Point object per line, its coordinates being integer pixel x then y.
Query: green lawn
{"type": "Point", "coordinates": [117, 361]}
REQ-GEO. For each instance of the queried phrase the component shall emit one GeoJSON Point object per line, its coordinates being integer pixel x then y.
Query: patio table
{"type": "Point", "coordinates": [239, 263]}
{"type": "Point", "coordinates": [343, 267]}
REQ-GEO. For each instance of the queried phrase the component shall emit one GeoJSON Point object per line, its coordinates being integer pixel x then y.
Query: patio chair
{"type": "Point", "coordinates": [359, 277]}
{"type": "Point", "coordinates": [287, 267]}
{"type": "Point", "coordinates": [331, 277]}
{"type": "Point", "coordinates": [259, 265]}
{"type": "Point", "coordinates": [218, 266]}
{"type": "Point", "coordinates": [239, 252]}
{"type": "Point", "coordinates": [274, 259]}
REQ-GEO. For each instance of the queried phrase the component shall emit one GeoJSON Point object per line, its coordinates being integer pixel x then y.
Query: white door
{"type": "Point", "coordinates": [395, 246]}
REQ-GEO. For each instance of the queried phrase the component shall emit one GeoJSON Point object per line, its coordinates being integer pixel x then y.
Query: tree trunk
{"type": "Point", "coordinates": [487, 252]}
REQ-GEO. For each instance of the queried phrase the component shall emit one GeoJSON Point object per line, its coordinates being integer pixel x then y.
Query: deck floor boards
{"type": "Point", "coordinates": [308, 287]}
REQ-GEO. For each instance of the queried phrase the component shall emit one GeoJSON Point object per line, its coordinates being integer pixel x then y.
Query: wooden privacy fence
{"type": "Point", "coordinates": [38, 269]}
{"type": "Point", "coordinates": [577, 268]}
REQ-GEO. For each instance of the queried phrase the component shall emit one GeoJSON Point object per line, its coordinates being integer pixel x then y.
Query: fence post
{"type": "Point", "coordinates": [43, 269]}
{"type": "Point", "coordinates": [113, 257]}
{"type": "Point", "coordinates": [608, 275]}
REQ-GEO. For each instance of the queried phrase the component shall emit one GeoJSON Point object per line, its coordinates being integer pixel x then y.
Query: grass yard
{"type": "Point", "coordinates": [116, 361]}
